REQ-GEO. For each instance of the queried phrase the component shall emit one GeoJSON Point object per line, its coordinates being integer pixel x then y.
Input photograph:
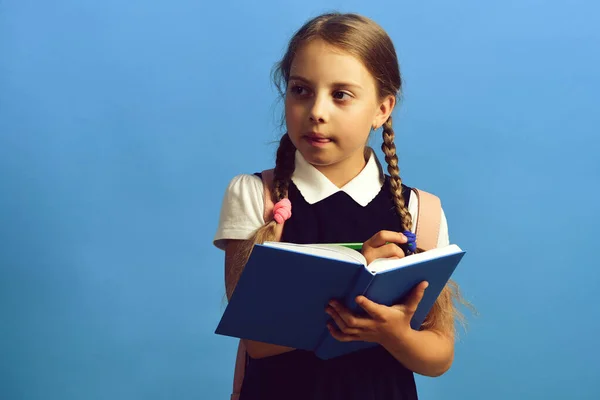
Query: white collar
{"type": "Point", "coordinates": [314, 186]}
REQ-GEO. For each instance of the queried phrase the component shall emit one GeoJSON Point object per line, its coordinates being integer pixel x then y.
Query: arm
{"type": "Point", "coordinates": [425, 352]}
{"type": "Point", "coordinates": [232, 272]}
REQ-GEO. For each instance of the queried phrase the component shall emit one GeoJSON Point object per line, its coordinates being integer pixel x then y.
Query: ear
{"type": "Point", "coordinates": [384, 111]}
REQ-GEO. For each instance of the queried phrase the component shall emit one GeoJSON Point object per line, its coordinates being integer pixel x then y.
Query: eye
{"type": "Point", "coordinates": [298, 90]}
{"type": "Point", "coordinates": [339, 95]}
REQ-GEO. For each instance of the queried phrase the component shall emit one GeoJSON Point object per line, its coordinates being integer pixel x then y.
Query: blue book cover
{"type": "Point", "coordinates": [284, 289]}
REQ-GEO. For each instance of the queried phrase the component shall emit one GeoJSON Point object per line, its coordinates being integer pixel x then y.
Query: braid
{"type": "Point", "coordinates": [284, 168]}
{"type": "Point", "coordinates": [442, 314]}
{"type": "Point", "coordinates": [389, 149]}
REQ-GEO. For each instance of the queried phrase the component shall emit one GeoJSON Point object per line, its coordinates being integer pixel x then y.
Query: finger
{"type": "Point", "coordinates": [340, 336]}
{"type": "Point", "coordinates": [415, 297]}
{"type": "Point", "coordinates": [376, 311]}
{"type": "Point", "coordinates": [349, 319]}
{"type": "Point", "coordinates": [391, 250]}
{"type": "Point", "coordinates": [383, 237]}
{"type": "Point", "coordinates": [341, 324]}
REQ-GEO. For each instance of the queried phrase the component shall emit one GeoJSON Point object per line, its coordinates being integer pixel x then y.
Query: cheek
{"type": "Point", "coordinates": [358, 124]}
{"type": "Point", "coordinates": [293, 115]}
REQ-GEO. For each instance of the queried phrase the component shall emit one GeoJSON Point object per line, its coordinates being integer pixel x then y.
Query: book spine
{"type": "Point", "coordinates": [360, 285]}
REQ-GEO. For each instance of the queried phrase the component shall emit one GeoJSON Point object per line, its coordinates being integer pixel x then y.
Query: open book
{"type": "Point", "coordinates": [284, 289]}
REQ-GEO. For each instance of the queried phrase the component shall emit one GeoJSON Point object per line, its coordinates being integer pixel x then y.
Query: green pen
{"type": "Point", "coordinates": [353, 246]}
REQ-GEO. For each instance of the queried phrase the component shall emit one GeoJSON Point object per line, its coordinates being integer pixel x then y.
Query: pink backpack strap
{"type": "Point", "coordinates": [240, 371]}
{"type": "Point", "coordinates": [428, 220]}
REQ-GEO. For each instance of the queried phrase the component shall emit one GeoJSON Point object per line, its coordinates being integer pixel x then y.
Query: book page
{"type": "Point", "coordinates": [386, 264]}
{"type": "Point", "coordinates": [322, 250]}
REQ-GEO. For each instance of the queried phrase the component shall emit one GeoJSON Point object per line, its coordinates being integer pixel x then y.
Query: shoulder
{"type": "Point", "coordinates": [241, 209]}
{"type": "Point", "coordinates": [244, 192]}
{"type": "Point", "coordinates": [430, 202]}
{"type": "Point", "coordinates": [244, 184]}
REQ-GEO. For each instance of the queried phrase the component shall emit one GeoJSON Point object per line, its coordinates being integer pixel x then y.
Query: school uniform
{"type": "Point", "coordinates": [323, 213]}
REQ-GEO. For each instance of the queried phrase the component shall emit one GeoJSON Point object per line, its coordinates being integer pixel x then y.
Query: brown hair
{"type": "Point", "coordinates": [366, 40]}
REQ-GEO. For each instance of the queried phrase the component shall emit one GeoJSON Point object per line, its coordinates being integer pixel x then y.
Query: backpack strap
{"type": "Point", "coordinates": [429, 216]}
{"type": "Point", "coordinates": [240, 370]}
{"type": "Point", "coordinates": [427, 232]}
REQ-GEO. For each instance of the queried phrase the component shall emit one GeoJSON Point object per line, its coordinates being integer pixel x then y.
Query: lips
{"type": "Point", "coordinates": [317, 138]}
{"type": "Point", "coordinates": [317, 141]}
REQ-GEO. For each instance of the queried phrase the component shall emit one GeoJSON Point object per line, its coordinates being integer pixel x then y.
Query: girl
{"type": "Point", "coordinates": [340, 80]}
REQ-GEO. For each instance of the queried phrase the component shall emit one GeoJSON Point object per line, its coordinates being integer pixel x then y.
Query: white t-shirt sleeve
{"type": "Point", "coordinates": [444, 237]}
{"type": "Point", "coordinates": [413, 208]}
{"type": "Point", "coordinates": [241, 210]}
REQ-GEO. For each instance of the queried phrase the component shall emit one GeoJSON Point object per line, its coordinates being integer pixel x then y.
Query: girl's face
{"type": "Point", "coordinates": [331, 104]}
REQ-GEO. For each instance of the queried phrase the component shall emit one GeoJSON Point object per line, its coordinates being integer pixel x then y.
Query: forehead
{"type": "Point", "coordinates": [318, 61]}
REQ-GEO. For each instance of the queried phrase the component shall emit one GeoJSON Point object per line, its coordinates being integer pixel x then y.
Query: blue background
{"type": "Point", "coordinates": [121, 123]}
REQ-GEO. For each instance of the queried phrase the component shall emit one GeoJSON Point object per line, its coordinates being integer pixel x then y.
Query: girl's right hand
{"type": "Point", "coordinates": [383, 245]}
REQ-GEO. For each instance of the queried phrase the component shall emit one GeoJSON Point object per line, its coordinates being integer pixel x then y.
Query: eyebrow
{"type": "Point", "coordinates": [336, 84]}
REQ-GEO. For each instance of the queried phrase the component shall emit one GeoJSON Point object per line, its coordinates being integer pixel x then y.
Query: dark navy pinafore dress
{"type": "Point", "coordinates": [371, 374]}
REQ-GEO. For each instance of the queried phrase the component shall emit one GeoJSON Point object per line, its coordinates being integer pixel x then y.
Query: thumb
{"type": "Point", "coordinates": [415, 297]}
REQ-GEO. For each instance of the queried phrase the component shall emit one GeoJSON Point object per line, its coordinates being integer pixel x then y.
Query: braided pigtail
{"type": "Point", "coordinates": [282, 175]}
{"type": "Point", "coordinates": [389, 149]}
{"type": "Point", "coordinates": [444, 311]}
{"type": "Point", "coordinates": [284, 168]}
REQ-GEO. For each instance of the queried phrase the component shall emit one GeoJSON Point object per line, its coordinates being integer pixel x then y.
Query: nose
{"type": "Point", "coordinates": [318, 110]}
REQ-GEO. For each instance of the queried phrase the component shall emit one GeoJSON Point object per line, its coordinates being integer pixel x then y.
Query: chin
{"type": "Point", "coordinates": [318, 158]}
{"type": "Point", "coordinates": [319, 161]}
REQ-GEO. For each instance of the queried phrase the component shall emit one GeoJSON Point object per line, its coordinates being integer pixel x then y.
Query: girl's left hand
{"type": "Point", "coordinates": [383, 324]}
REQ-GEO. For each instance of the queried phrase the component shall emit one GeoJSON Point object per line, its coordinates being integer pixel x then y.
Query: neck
{"type": "Point", "coordinates": [345, 170]}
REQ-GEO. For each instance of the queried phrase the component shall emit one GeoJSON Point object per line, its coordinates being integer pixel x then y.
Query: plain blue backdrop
{"type": "Point", "coordinates": [121, 123]}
